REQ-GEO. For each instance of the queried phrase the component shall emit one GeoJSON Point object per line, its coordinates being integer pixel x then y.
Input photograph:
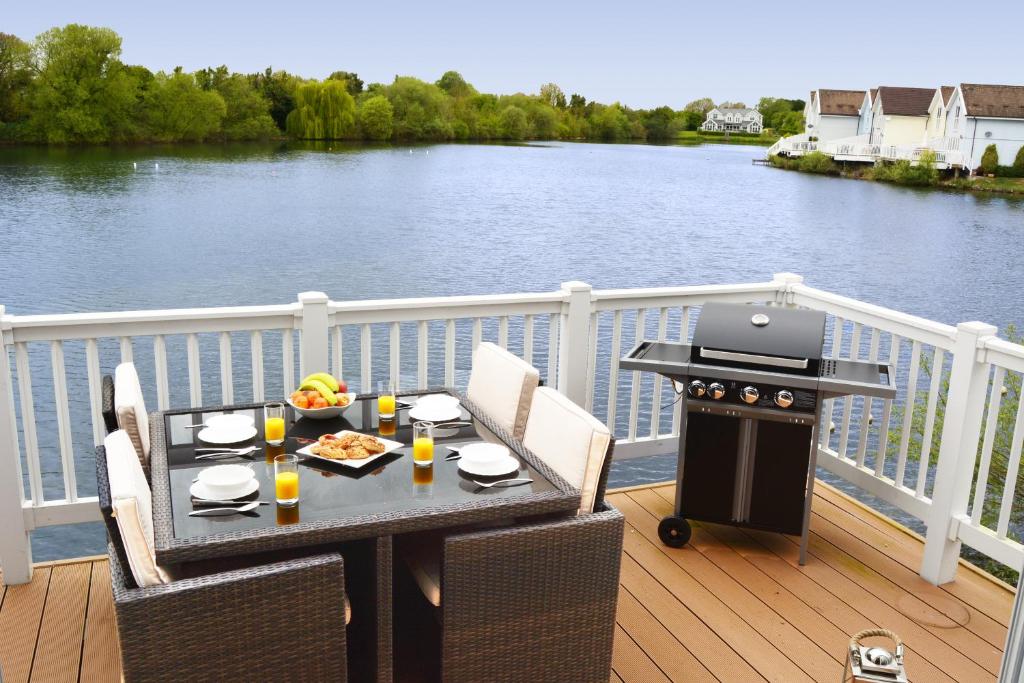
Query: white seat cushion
{"type": "Point", "coordinates": [132, 504]}
{"type": "Point", "coordinates": [131, 410]}
{"type": "Point", "coordinates": [569, 439]}
{"type": "Point", "coordinates": [502, 384]}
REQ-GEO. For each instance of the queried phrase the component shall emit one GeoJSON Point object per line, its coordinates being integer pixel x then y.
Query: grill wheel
{"type": "Point", "coordinates": [674, 531]}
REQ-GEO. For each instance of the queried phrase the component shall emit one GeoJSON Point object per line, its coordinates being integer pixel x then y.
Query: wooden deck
{"type": "Point", "coordinates": [732, 606]}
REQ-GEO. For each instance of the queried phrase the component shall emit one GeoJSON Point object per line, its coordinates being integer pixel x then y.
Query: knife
{"type": "Point", "coordinates": [218, 512]}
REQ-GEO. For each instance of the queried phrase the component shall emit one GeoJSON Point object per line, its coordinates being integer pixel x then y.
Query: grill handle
{"type": "Point", "coordinates": [776, 361]}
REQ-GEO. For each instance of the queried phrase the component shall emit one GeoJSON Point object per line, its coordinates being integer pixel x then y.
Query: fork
{"type": "Point", "coordinates": [240, 451]}
{"type": "Point", "coordinates": [504, 483]}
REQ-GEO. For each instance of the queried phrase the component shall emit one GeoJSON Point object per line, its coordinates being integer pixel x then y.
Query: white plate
{"type": "Point", "coordinates": [230, 422]}
{"type": "Point", "coordinates": [492, 468]}
{"type": "Point", "coordinates": [483, 452]}
{"type": "Point", "coordinates": [226, 436]}
{"type": "Point", "coordinates": [433, 414]}
{"type": "Point", "coordinates": [388, 447]}
{"type": "Point", "coordinates": [199, 491]}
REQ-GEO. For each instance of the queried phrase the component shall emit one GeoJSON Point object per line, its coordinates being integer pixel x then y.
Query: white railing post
{"type": "Point", "coordinates": [785, 282]}
{"type": "Point", "coordinates": [315, 334]}
{"type": "Point", "coordinates": [1012, 668]}
{"type": "Point", "coordinates": [958, 449]}
{"type": "Point", "coordinates": [574, 341]}
{"type": "Point", "coordinates": [15, 544]}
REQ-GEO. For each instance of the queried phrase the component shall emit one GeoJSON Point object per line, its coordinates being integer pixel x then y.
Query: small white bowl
{"type": "Point", "coordinates": [232, 422]}
{"type": "Point", "coordinates": [324, 413]}
{"type": "Point", "coordinates": [483, 453]}
{"type": "Point", "coordinates": [437, 402]}
{"type": "Point", "coordinates": [226, 480]}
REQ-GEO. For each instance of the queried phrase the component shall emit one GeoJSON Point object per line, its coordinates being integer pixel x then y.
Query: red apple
{"type": "Point", "coordinates": [342, 387]}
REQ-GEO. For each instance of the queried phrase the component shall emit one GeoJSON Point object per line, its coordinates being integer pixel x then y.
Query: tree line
{"type": "Point", "coordinates": [69, 86]}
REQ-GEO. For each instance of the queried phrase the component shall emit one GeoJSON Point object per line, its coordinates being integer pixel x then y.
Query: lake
{"type": "Point", "coordinates": [163, 227]}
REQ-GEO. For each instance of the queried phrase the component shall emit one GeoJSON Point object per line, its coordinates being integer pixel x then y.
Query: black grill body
{"type": "Point", "coordinates": [752, 382]}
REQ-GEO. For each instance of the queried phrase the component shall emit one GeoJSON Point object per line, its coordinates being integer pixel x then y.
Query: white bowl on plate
{"type": "Point", "coordinates": [437, 402]}
{"type": "Point", "coordinates": [324, 413]}
{"type": "Point", "coordinates": [231, 422]}
{"type": "Point", "coordinates": [226, 481]}
{"type": "Point", "coordinates": [483, 453]}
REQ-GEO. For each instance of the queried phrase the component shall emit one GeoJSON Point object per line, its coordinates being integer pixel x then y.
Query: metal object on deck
{"type": "Point", "coordinates": [874, 664]}
{"type": "Point", "coordinates": [752, 382]}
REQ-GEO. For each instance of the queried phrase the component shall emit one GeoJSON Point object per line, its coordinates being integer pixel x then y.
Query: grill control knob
{"type": "Point", "coordinates": [784, 398]}
{"type": "Point", "coordinates": [716, 390]}
{"type": "Point", "coordinates": [696, 389]}
{"type": "Point", "coordinates": [750, 394]}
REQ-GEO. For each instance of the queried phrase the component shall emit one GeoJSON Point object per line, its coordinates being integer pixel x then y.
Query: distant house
{"type": "Point", "coordinates": [734, 120]}
{"type": "Point", "coordinates": [982, 115]}
{"type": "Point", "coordinates": [832, 114]}
{"type": "Point", "coordinates": [864, 121]}
{"type": "Point", "coordinates": [899, 116]}
{"type": "Point", "coordinates": [937, 111]}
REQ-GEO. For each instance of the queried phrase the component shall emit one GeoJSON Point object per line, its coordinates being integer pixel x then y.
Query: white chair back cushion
{"type": "Point", "coordinates": [132, 504]}
{"type": "Point", "coordinates": [569, 440]}
{"type": "Point", "coordinates": [502, 384]}
{"type": "Point", "coordinates": [131, 410]}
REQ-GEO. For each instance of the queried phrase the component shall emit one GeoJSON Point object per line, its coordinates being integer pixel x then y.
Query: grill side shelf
{"type": "Point", "coordinates": [858, 377]}
{"type": "Point", "coordinates": [668, 358]}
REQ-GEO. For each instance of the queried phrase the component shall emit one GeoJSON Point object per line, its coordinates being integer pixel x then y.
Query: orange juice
{"type": "Point", "coordinates": [423, 450]}
{"type": "Point", "coordinates": [386, 427]}
{"type": "Point", "coordinates": [423, 475]}
{"type": "Point", "coordinates": [287, 486]}
{"type": "Point", "coordinates": [273, 429]}
{"type": "Point", "coordinates": [386, 406]}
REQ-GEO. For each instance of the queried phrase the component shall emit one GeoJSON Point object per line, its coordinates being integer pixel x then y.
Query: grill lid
{"type": "Point", "coordinates": [766, 337]}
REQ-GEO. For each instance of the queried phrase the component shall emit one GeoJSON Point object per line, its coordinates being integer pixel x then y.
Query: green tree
{"type": "Point", "coordinates": [455, 85]}
{"type": "Point", "coordinates": [790, 123]}
{"type": "Point", "coordinates": [353, 83]}
{"type": "Point", "coordinates": [278, 87]}
{"type": "Point", "coordinates": [176, 109]}
{"type": "Point", "coordinates": [513, 123]}
{"type": "Point", "coordinates": [82, 92]}
{"type": "Point", "coordinates": [552, 96]}
{"type": "Point", "coordinates": [989, 160]}
{"type": "Point", "coordinates": [15, 78]}
{"type": "Point", "coordinates": [1018, 161]}
{"type": "Point", "coordinates": [421, 110]}
{"type": "Point", "coordinates": [732, 105]}
{"type": "Point", "coordinates": [323, 111]}
{"type": "Point", "coordinates": [610, 123]}
{"type": "Point", "coordinates": [578, 104]}
{"type": "Point", "coordinates": [247, 110]}
{"type": "Point", "coordinates": [658, 123]}
{"type": "Point", "coordinates": [692, 120]}
{"type": "Point", "coordinates": [701, 106]}
{"type": "Point", "coordinates": [376, 118]}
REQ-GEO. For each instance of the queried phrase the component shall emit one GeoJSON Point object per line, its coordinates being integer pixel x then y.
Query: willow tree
{"type": "Point", "coordinates": [323, 111]}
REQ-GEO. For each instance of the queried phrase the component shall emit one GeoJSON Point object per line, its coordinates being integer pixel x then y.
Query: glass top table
{"type": "Point", "coordinates": [336, 502]}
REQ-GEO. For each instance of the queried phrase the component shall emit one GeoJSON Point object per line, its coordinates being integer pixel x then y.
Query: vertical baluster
{"type": "Point", "coordinates": [28, 422]}
{"type": "Point", "coordinates": [60, 395]}
{"type": "Point", "coordinates": [256, 351]}
{"type": "Point", "coordinates": [92, 361]}
{"type": "Point", "coordinates": [656, 401]}
{"type": "Point", "coordinates": [828, 410]}
{"type": "Point", "coordinates": [592, 361]}
{"type": "Point", "coordinates": [528, 339]}
{"type": "Point", "coordinates": [883, 432]}
{"type": "Point", "coordinates": [995, 400]}
{"type": "Point", "coordinates": [553, 332]}
{"type": "Point", "coordinates": [288, 360]}
{"type": "Point", "coordinates": [844, 434]}
{"type": "Point", "coordinates": [396, 355]}
{"type": "Point", "coordinates": [126, 349]}
{"type": "Point", "coordinates": [338, 366]}
{"type": "Point", "coordinates": [929, 421]}
{"type": "Point", "coordinates": [613, 369]}
{"type": "Point", "coordinates": [422, 356]}
{"type": "Point", "coordinates": [449, 353]}
{"type": "Point", "coordinates": [1013, 466]}
{"type": "Point", "coordinates": [195, 381]}
{"type": "Point", "coordinates": [227, 387]}
{"type": "Point", "coordinates": [908, 412]}
{"type": "Point", "coordinates": [478, 332]}
{"type": "Point", "coordinates": [302, 356]}
{"type": "Point", "coordinates": [366, 358]}
{"type": "Point", "coordinates": [503, 331]}
{"type": "Point", "coordinates": [865, 417]}
{"type": "Point", "coordinates": [634, 394]}
{"type": "Point", "coordinates": [163, 389]}
{"type": "Point", "coordinates": [684, 336]}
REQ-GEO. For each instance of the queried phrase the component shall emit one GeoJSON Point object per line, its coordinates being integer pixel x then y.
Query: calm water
{"type": "Point", "coordinates": [161, 227]}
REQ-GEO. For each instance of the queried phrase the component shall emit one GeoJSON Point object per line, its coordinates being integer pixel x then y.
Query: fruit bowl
{"type": "Point", "coordinates": [324, 413]}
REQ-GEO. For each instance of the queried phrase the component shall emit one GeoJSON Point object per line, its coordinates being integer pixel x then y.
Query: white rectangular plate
{"type": "Point", "coordinates": [388, 447]}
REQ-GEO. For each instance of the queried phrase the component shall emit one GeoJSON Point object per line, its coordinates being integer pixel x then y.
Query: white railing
{"type": "Point", "coordinates": [794, 145]}
{"type": "Point", "coordinates": [918, 452]}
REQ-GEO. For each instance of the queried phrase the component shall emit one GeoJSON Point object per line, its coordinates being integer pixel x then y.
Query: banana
{"type": "Point", "coordinates": [324, 377]}
{"type": "Point", "coordinates": [317, 385]}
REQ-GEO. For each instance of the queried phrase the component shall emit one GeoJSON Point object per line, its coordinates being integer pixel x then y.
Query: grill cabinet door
{"type": "Point", "coordinates": [709, 468]}
{"type": "Point", "coordinates": [781, 458]}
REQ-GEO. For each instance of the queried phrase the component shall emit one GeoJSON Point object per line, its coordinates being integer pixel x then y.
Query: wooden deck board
{"type": "Point", "coordinates": [734, 605]}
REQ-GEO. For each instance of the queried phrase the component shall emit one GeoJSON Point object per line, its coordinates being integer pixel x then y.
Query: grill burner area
{"type": "Point", "coordinates": [752, 381]}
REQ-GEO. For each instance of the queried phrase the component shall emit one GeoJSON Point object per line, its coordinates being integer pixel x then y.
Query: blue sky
{"type": "Point", "coordinates": [642, 54]}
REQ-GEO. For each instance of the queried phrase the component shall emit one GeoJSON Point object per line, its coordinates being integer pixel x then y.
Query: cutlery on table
{"type": "Point", "coordinates": [240, 451]}
{"type": "Point", "coordinates": [205, 503]}
{"type": "Point", "coordinates": [504, 483]}
{"type": "Point", "coordinates": [217, 512]}
{"type": "Point", "coordinates": [222, 456]}
{"type": "Point", "coordinates": [449, 425]}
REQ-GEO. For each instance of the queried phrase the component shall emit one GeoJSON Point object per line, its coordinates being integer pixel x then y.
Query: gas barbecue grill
{"type": "Point", "coordinates": [752, 382]}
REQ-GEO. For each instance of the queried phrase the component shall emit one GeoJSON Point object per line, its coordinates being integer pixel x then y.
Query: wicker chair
{"type": "Point", "coordinates": [107, 404]}
{"type": "Point", "coordinates": [244, 624]}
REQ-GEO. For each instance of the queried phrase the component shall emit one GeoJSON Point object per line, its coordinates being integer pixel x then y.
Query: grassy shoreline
{"type": "Point", "coordinates": [696, 137]}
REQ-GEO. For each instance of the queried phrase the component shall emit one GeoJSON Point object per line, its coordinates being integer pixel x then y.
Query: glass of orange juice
{"type": "Point", "coordinates": [286, 479]}
{"type": "Point", "coordinates": [423, 444]}
{"type": "Point", "coordinates": [386, 399]}
{"type": "Point", "coordinates": [273, 423]}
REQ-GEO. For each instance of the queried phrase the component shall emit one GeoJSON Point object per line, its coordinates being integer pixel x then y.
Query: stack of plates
{"type": "Point", "coordinates": [486, 460]}
{"type": "Point", "coordinates": [435, 408]}
{"type": "Point", "coordinates": [225, 482]}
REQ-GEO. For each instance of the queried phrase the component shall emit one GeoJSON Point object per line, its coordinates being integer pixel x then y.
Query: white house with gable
{"type": "Point", "coordinates": [734, 120]}
{"type": "Point", "coordinates": [981, 115]}
{"type": "Point", "coordinates": [833, 114]}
